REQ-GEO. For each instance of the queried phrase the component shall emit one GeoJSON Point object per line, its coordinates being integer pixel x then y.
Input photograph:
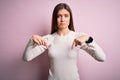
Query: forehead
{"type": "Point", "coordinates": [63, 11]}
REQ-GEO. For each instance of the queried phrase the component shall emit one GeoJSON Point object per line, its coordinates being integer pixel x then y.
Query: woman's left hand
{"type": "Point", "coordinates": [80, 40]}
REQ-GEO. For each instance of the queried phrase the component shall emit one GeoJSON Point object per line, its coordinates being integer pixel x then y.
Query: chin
{"type": "Point", "coordinates": [63, 26]}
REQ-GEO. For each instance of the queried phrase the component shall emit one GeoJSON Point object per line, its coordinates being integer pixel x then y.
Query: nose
{"type": "Point", "coordinates": [62, 19]}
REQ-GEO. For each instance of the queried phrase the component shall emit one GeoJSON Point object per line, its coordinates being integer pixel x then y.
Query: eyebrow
{"type": "Point", "coordinates": [64, 14]}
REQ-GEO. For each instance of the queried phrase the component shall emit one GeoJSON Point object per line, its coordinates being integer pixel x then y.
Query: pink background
{"type": "Point", "coordinates": [19, 19]}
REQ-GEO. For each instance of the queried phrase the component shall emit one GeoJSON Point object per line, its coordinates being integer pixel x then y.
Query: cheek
{"type": "Point", "coordinates": [68, 21]}
{"type": "Point", "coordinates": [58, 21]}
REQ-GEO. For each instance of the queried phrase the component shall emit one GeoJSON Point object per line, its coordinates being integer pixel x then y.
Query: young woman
{"type": "Point", "coordinates": [63, 45]}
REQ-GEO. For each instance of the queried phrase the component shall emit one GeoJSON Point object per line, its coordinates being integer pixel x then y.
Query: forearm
{"type": "Point", "coordinates": [32, 51]}
{"type": "Point", "coordinates": [94, 50]}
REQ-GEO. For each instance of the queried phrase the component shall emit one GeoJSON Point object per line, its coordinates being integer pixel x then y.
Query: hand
{"type": "Point", "coordinates": [39, 40]}
{"type": "Point", "coordinates": [80, 40]}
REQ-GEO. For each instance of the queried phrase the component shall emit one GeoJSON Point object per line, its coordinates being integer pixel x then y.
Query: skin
{"type": "Point", "coordinates": [63, 21]}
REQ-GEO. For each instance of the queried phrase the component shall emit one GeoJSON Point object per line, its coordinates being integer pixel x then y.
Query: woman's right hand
{"type": "Point", "coordinates": [39, 40]}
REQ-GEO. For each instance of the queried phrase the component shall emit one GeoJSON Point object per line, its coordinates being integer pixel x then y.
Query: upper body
{"type": "Point", "coordinates": [63, 56]}
{"type": "Point", "coordinates": [63, 45]}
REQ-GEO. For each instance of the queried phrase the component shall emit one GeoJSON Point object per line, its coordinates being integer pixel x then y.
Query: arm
{"type": "Point", "coordinates": [87, 43]}
{"type": "Point", "coordinates": [36, 46]}
{"type": "Point", "coordinates": [32, 50]}
{"type": "Point", "coordinates": [94, 50]}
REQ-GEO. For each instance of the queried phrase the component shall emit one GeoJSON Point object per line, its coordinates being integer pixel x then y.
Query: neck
{"type": "Point", "coordinates": [62, 32]}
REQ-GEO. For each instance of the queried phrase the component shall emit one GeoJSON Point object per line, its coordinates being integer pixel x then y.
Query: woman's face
{"type": "Point", "coordinates": [63, 19]}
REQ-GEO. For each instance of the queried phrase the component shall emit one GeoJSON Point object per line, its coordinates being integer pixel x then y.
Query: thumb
{"type": "Point", "coordinates": [46, 44]}
{"type": "Point", "coordinates": [73, 45]}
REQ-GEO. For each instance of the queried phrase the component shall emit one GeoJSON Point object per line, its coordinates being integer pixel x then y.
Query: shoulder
{"type": "Point", "coordinates": [76, 34]}
{"type": "Point", "coordinates": [49, 37]}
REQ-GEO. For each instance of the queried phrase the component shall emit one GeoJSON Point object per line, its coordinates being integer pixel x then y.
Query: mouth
{"type": "Point", "coordinates": [62, 23]}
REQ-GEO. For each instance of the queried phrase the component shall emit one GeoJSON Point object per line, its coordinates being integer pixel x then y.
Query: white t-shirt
{"type": "Point", "coordinates": [63, 57]}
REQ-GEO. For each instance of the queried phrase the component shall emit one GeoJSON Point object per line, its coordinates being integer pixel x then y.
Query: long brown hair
{"type": "Point", "coordinates": [54, 17]}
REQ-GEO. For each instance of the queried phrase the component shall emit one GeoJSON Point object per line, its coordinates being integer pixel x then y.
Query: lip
{"type": "Point", "coordinates": [62, 23]}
